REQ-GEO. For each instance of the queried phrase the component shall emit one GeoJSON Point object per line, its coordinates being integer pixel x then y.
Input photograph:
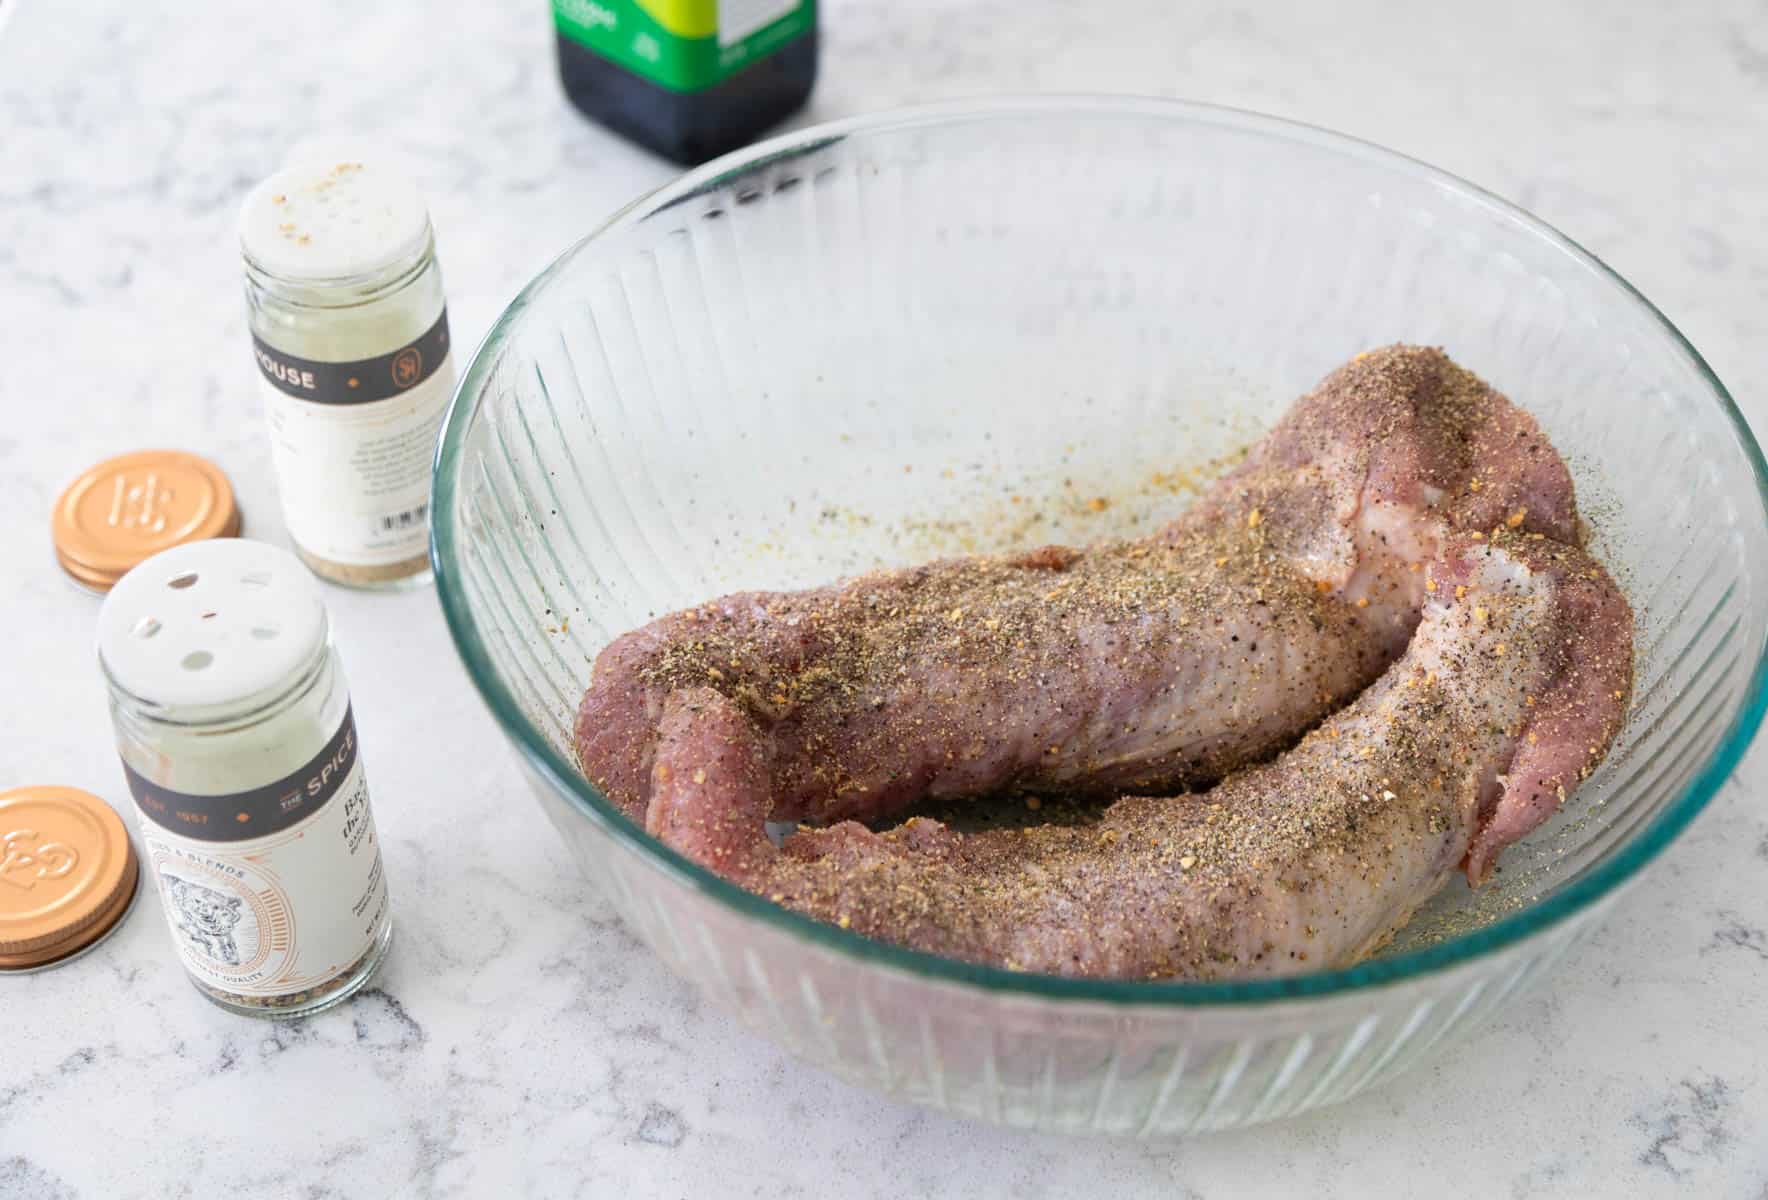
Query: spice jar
{"type": "Point", "coordinates": [350, 334]}
{"type": "Point", "coordinates": [239, 745]}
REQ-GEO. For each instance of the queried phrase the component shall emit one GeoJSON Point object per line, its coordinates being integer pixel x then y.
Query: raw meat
{"type": "Point", "coordinates": [1151, 666]}
{"type": "Point", "coordinates": [1510, 691]}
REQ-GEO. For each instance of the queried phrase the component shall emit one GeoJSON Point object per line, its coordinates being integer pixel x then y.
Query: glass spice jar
{"type": "Point", "coordinates": [239, 745]}
{"type": "Point", "coordinates": [350, 334]}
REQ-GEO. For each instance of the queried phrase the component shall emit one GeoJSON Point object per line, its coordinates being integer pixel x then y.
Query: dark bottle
{"type": "Point", "coordinates": [691, 79]}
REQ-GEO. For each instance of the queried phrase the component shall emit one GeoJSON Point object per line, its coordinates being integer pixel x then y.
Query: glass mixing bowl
{"type": "Point", "coordinates": [1009, 323]}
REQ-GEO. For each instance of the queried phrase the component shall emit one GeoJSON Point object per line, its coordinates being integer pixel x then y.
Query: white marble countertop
{"type": "Point", "coordinates": [129, 134]}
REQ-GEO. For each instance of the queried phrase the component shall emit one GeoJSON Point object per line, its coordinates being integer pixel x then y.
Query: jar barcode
{"type": "Point", "coordinates": [408, 519]}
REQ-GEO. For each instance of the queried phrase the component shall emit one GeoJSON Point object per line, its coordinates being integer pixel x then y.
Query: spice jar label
{"type": "Point", "coordinates": [352, 443]}
{"type": "Point", "coordinates": [360, 382]}
{"type": "Point", "coordinates": [234, 870]}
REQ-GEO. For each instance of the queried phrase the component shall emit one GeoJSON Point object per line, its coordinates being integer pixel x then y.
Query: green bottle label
{"type": "Point", "coordinates": [684, 45]}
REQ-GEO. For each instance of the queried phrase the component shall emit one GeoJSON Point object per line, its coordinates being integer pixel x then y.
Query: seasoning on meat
{"type": "Point", "coordinates": [1400, 511]}
{"type": "Point", "coordinates": [1160, 664]}
{"type": "Point", "coordinates": [1311, 860]}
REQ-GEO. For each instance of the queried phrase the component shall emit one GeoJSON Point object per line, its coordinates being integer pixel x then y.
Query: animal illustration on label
{"type": "Point", "coordinates": [205, 916]}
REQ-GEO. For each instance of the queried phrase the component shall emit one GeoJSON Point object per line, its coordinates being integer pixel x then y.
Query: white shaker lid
{"type": "Point", "coordinates": [331, 219]}
{"type": "Point", "coordinates": [210, 623]}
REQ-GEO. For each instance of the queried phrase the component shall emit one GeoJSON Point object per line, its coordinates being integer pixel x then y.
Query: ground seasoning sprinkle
{"type": "Point", "coordinates": [906, 684]}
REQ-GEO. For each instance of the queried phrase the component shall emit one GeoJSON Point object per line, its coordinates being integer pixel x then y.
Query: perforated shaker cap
{"type": "Point", "coordinates": [210, 623]}
{"type": "Point", "coordinates": [318, 221]}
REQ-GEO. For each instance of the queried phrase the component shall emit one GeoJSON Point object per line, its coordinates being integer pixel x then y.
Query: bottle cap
{"type": "Point", "coordinates": [67, 874]}
{"type": "Point", "coordinates": [129, 508]}
{"type": "Point", "coordinates": [319, 222]}
{"type": "Point", "coordinates": [211, 623]}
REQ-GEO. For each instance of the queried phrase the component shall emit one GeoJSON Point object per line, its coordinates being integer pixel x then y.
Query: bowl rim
{"type": "Point", "coordinates": [541, 756]}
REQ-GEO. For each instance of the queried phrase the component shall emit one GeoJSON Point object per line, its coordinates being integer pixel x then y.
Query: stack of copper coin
{"type": "Point", "coordinates": [130, 508]}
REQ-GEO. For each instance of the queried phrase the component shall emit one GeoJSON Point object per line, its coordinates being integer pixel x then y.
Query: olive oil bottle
{"type": "Point", "coordinates": [691, 79]}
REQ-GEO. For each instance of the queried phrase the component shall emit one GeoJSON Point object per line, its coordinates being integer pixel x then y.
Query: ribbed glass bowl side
{"type": "Point", "coordinates": [1074, 1066]}
{"type": "Point", "coordinates": [1034, 322]}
